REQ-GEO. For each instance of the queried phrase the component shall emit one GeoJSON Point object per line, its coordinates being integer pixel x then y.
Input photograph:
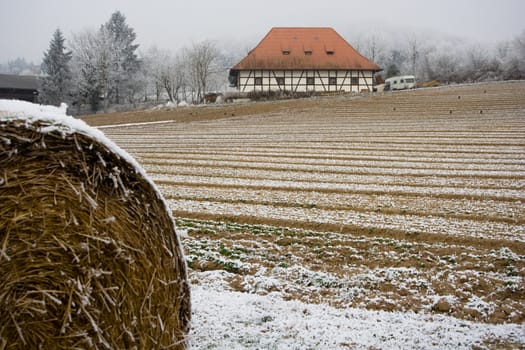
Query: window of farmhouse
{"type": "Point", "coordinates": [258, 81]}
{"type": "Point", "coordinates": [332, 81]}
{"type": "Point", "coordinates": [310, 81]}
{"type": "Point", "coordinates": [354, 80]}
{"type": "Point", "coordinates": [280, 81]}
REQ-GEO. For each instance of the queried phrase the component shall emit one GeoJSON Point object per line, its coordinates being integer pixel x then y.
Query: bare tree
{"type": "Point", "coordinates": [153, 59]}
{"type": "Point", "coordinates": [201, 59]}
{"type": "Point", "coordinates": [413, 53]}
{"type": "Point", "coordinates": [173, 77]}
{"type": "Point", "coordinates": [374, 48]}
{"type": "Point", "coordinates": [168, 73]}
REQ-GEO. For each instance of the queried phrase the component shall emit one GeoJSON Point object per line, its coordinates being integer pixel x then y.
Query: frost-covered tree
{"type": "Point", "coordinates": [446, 69]}
{"type": "Point", "coordinates": [374, 48]}
{"type": "Point", "coordinates": [413, 54]}
{"type": "Point", "coordinates": [167, 73]}
{"type": "Point", "coordinates": [90, 68]}
{"type": "Point", "coordinates": [173, 77]}
{"type": "Point", "coordinates": [106, 64]}
{"type": "Point", "coordinates": [201, 59]}
{"type": "Point", "coordinates": [515, 65]}
{"type": "Point", "coordinates": [57, 80]}
{"type": "Point", "coordinates": [123, 61]}
{"type": "Point", "coordinates": [151, 64]}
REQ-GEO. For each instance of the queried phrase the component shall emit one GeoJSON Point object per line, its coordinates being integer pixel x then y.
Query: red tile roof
{"type": "Point", "coordinates": [304, 48]}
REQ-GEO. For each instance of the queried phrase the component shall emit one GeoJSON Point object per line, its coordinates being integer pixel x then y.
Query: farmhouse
{"type": "Point", "coordinates": [18, 87]}
{"type": "Point", "coordinates": [301, 60]}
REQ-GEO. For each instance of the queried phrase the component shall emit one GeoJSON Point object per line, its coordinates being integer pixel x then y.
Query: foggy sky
{"type": "Point", "coordinates": [26, 26]}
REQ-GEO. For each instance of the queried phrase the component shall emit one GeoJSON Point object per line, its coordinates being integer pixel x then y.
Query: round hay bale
{"type": "Point", "coordinates": [89, 257]}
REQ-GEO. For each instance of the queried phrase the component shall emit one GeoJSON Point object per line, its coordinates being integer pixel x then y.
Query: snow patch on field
{"type": "Point", "coordinates": [232, 320]}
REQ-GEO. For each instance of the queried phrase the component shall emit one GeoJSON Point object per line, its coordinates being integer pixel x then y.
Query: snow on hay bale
{"type": "Point", "coordinates": [89, 257]}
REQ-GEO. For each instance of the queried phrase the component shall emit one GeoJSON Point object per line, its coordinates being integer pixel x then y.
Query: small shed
{"type": "Point", "coordinates": [19, 87]}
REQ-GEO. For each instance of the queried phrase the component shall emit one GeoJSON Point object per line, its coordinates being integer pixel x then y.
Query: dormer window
{"type": "Point", "coordinates": [286, 52]}
{"type": "Point", "coordinates": [307, 49]}
{"type": "Point", "coordinates": [329, 48]}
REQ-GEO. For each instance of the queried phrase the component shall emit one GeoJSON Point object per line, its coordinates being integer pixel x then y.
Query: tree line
{"type": "Point", "coordinates": [444, 61]}
{"type": "Point", "coordinates": [102, 68]}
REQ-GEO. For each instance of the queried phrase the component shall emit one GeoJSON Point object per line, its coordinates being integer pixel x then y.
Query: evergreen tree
{"type": "Point", "coordinates": [124, 63]}
{"type": "Point", "coordinates": [392, 70]}
{"type": "Point", "coordinates": [56, 82]}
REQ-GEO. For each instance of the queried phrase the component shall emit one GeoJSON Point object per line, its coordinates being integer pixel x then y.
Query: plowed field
{"type": "Point", "coordinates": [405, 201]}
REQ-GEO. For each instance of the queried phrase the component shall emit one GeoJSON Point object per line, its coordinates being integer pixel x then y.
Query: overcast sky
{"type": "Point", "coordinates": [26, 26]}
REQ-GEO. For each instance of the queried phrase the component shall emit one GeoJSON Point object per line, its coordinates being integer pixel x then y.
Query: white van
{"type": "Point", "coordinates": [400, 83]}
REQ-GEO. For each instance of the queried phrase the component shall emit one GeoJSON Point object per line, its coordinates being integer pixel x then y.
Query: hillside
{"type": "Point", "coordinates": [409, 203]}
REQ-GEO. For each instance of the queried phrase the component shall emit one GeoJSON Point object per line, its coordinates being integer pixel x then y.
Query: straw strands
{"type": "Point", "coordinates": [89, 257]}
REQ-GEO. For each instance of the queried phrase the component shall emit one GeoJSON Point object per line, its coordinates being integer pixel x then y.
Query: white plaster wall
{"type": "Point", "coordinates": [297, 80]}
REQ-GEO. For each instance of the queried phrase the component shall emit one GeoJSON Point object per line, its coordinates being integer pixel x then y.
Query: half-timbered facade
{"type": "Point", "coordinates": [302, 60]}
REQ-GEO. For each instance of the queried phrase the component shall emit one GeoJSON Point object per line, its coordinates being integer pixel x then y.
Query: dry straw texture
{"type": "Point", "coordinates": [88, 252]}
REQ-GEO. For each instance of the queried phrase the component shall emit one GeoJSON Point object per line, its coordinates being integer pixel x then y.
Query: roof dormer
{"type": "Point", "coordinates": [329, 48]}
